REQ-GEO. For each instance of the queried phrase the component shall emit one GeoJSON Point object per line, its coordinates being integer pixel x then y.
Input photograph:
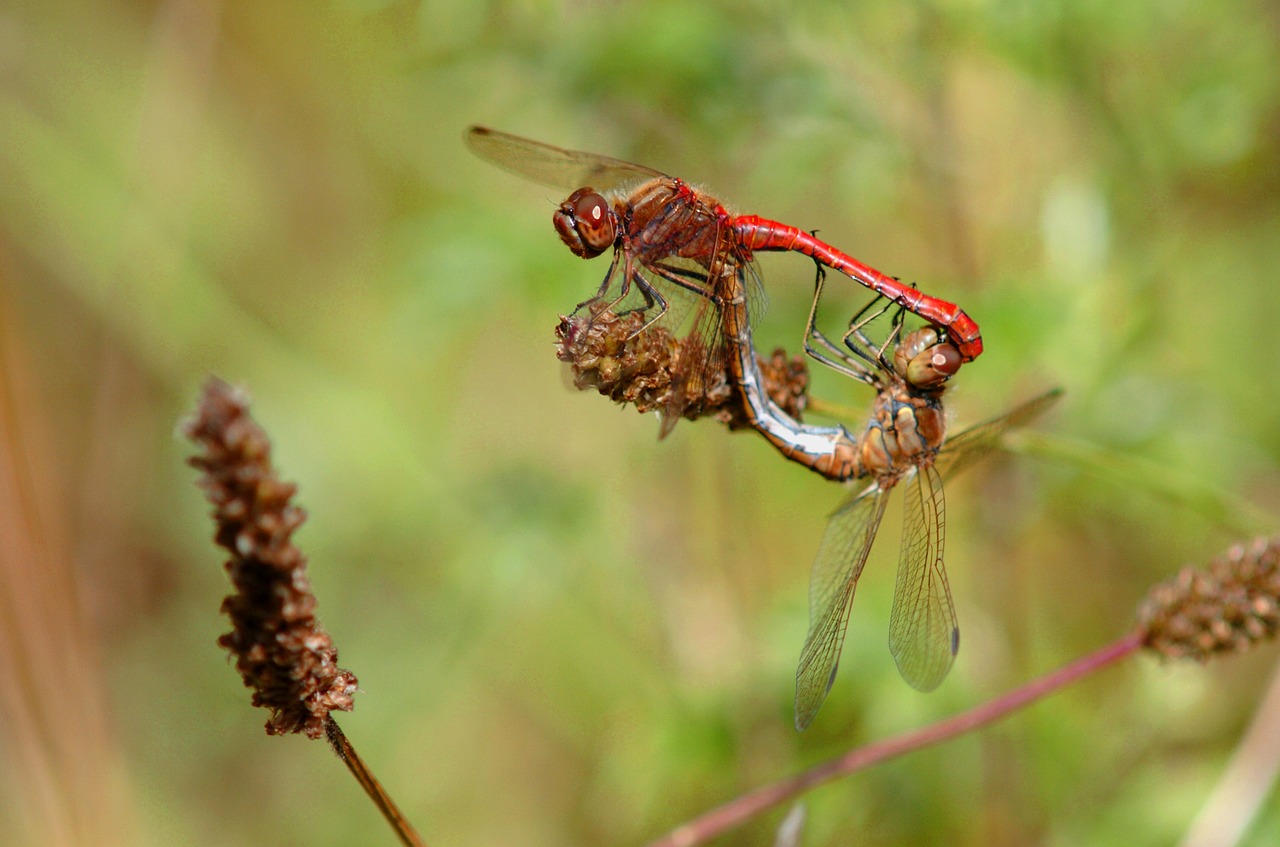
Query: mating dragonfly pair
{"type": "Point", "coordinates": [675, 246]}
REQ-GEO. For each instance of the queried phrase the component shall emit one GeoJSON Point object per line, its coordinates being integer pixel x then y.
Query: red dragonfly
{"type": "Point", "coordinates": [905, 442]}
{"type": "Point", "coordinates": [671, 239]}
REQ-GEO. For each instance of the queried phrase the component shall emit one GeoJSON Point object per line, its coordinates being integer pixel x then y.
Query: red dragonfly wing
{"type": "Point", "coordinates": [963, 450]}
{"type": "Point", "coordinates": [704, 367]}
{"type": "Point", "coordinates": [841, 557]}
{"type": "Point", "coordinates": [554, 167]}
{"type": "Point", "coordinates": [923, 636]}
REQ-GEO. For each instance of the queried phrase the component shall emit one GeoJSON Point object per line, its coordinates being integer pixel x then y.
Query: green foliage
{"type": "Point", "coordinates": [568, 632]}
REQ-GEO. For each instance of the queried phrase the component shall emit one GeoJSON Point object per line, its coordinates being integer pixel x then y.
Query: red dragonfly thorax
{"type": "Point", "coordinates": [660, 219]}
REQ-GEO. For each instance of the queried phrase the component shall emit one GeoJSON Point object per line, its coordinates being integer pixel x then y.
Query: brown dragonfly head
{"type": "Point", "coordinates": [925, 359]}
{"type": "Point", "coordinates": [586, 223]}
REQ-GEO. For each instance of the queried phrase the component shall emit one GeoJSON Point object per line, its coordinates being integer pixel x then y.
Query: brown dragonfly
{"type": "Point", "coordinates": [904, 444]}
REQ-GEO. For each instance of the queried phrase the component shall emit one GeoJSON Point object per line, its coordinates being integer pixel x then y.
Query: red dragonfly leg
{"type": "Point", "coordinates": [652, 297]}
{"type": "Point", "coordinates": [604, 287]}
{"type": "Point", "coordinates": [686, 279]}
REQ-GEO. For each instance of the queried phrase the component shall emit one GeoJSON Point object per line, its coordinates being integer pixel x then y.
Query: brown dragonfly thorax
{"type": "Point", "coordinates": [906, 430]}
{"type": "Point", "coordinates": [908, 425]}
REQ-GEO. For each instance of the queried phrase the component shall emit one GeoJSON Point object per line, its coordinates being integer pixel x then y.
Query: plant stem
{"type": "Point", "coordinates": [741, 809]}
{"type": "Point", "coordinates": [403, 829]}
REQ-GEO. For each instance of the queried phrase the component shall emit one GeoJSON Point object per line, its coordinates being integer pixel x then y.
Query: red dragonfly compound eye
{"type": "Point", "coordinates": [586, 223]}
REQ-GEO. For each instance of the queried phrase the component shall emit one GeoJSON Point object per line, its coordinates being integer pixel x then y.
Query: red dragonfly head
{"type": "Point", "coordinates": [586, 223]}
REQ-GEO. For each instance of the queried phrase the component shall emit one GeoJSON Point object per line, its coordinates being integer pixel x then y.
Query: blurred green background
{"type": "Point", "coordinates": [566, 631]}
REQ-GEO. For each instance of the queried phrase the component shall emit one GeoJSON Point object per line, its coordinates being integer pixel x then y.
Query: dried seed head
{"type": "Point", "coordinates": [787, 382]}
{"type": "Point", "coordinates": [1228, 608]}
{"type": "Point", "coordinates": [281, 650]}
{"type": "Point", "coordinates": [605, 353]}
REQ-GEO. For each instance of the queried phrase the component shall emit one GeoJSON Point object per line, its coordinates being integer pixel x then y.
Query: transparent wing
{"type": "Point", "coordinates": [553, 166]}
{"type": "Point", "coordinates": [963, 450]}
{"type": "Point", "coordinates": [703, 364]}
{"type": "Point", "coordinates": [757, 299]}
{"type": "Point", "coordinates": [836, 569]}
{"type": "Point", "coordinates": [923, 636]}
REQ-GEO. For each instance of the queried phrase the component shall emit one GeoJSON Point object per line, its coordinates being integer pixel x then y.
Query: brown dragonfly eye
{"type": "Point", "coordinates": [912, 345]}
{"type": "Point", "coordinates": [586, 223]}
{"type": "Point", "coordinates": [925, 360]}
{"type": "Point", "coordinates": [933, 365]}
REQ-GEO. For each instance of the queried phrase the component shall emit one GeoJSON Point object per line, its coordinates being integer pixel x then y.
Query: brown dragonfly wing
{"type": "Point", "coordinates": [963, 450]}
{"type": "Point", "coordinates": [553, 166]}
{"type": "Point", "coordinates": [923, 635]}
{"type": "Point", "coordinates": [841, 557]}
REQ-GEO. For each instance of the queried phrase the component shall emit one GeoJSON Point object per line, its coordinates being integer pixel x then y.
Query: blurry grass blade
{"type": "Point", "coordinates": [791, 830]}
{"type": "Point", "coordinates": [1131, 472]}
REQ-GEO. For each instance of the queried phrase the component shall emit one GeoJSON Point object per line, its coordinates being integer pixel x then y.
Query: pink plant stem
{"type": "Point", "coordinates": [741, 809]}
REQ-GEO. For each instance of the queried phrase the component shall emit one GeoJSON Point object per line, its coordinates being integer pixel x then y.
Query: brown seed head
{"type": "Point", "coordinates": [605, 353]}
{"type": "Point", "coordinates": [281, 650]}
{"type": "Point", "coordinates": [1228, 608]}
